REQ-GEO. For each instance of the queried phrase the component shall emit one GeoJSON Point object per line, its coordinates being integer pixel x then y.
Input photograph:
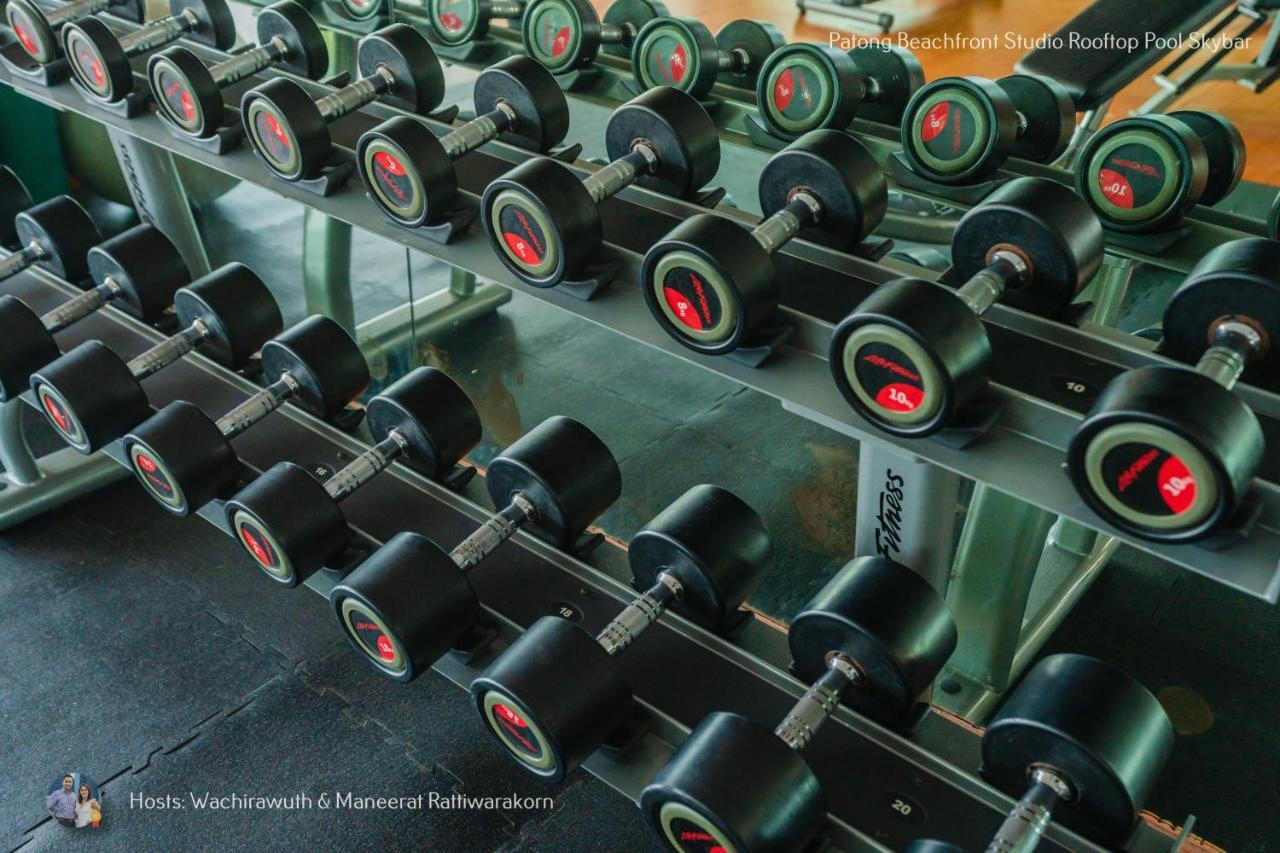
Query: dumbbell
{"type": "Point", "coordinates": [804, 87]}
{"type": "Point", "coordinates": [91, 396]}
{"type": "Point", "coordinates": [14, 199]}
{"type": "Point", "coordinates": [184, 458]}
{"type": "Point", "coordinates": [1167, 454]}
{"type": "Point", "coordinates": [710, 283]}
{"type": "Point", "coordinates": [139, 270]}
{"type": "Point", "coordinates": [189, 93]}
{"type": "Point", "coordinates": [566, 35]}
{"type": "Point", "coordinates": [544, 221]}
{"type": "Point", "coordinates": [1082, 744]}
{"type": "Point", "coordinates": [682, 53]}
{"type": "Point", "coordinates": [55, 235]}
{"type": "Point", "coordinates": [291, 523]}
{"type": "Point", "coordinates": [410, 171]}
{"type": "Point", "coordinates": [873, 639]}
{"type": "Point", "coordinates": [1145, 173]}
{"type": "Point", "coordinates": [37, 30]}
{"type": "Point", "coordinates": [412, 601]}
{"type": "Point", "coordinates": [290, 132]}
{"type": "Point", "coordinates": [914, 353]}
{"type": "Point", "coordinates": [557, 693]}
{"type": "Point", "coordinates": [100, 58]}
{"type": "Point", "coordinates": [958, 130]}
{"type": "Point", "coordinates": [456, 22]}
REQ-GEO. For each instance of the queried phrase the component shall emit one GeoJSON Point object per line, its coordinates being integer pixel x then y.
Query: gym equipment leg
{"type": "Point", "coordinates": [906, 512]}
{"type": "Point", "coordinates": [29, 486]}
{"type": "Point", "coordinates": [159, 197]}
{"type": "Point", "coordinates": [326, 268]}
{"type": "Point", "coordinates": [433, 315]}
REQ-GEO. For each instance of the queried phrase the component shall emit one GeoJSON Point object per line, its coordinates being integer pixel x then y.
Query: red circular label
{"type": "Point", "coordinates": [28, 43]}
{"type": "Point", "coordinates": [89, 63]}
{"type": "Point", "coordinates": [385, 648]}
{"type": "Point", "coordinates": [1177, 487]}
{"type": "Point", "coordinates": [694, 303]}
{"type": "Point", "coordinates": [889, 377]}
{"type": "Point", "coordinates": [1116, 188]}
{"type": "Point", "coordinates": [523, 238]}
{"type": "Point", "coordinates": [667, 60]}
{"type": "Point", "coordinates": [258, 546]}
{"type": "Point", "coordinates": [393, 178]}
{"type": "Point", "coordinates": [935, 121]}
{"type": "Point", "coordinates": [518, 731]}
{"type": "Point", "coordinates": [60, 419]}
{"type": "Point", "coordinates": [784, 89]}
{"type": "Point", "coordinates": [153, 476]}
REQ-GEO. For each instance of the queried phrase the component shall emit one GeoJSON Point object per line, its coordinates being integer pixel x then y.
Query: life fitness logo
{"type": "Point", "coordinates": [60, 418]}
{"type": "Point", "coordinates": [696, 839]}
{"type": "Point", "coordinates": [889, 515]}
{"type": "Point", "coordinates": [1173, 479]}
{"type": "Point", "coordinates": [277, 130]}
{"type": "Point", "coordinates": [897, 396]}
{"type": "Point", "coordinates": [517, 727]}
{"type": "Point", "coordinates": [188, 106]}
{"type": "Point", "coordinates": [695, 317]}
{"type": "Point", "coordinates": [526, 248]}
{"type": "Point", "coordinates": [25, 37]}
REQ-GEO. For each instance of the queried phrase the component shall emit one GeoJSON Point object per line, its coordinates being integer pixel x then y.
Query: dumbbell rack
{"type": "Point", "coordinates": [884, 789]}
{"type": "Point", "coordinates": [1018, 456]}
{"type": "Point", "coordinates": [735, 113]}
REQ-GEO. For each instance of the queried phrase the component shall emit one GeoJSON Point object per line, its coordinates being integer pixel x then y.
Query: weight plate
{"type": "Point", "coordinates": [237, 309]}
{"type": "Point", "coordinates": [750, 43]}
{"type": "Point", "coordinates": [844, 176]}
{"type": "Point", "coordinates": [958, 129]}
{"type": "Point", "coordinates": [432, 414]}
{"type": "Point", "coordinates": [286, 130]}
{"type": "Point", "coordinates": [889, 621]}
{"type": "Point", "coordinates": [1239, 278]}
{"type": "Point", "coordinates": [321, 357]}
{"type": "Point", "coordinates": [563, 35]}
{"type": "Point", "coordinates": [402, 50]}
{"type": "Point", "coordinates": [64, 232]}
{"type": "Point", "coordinates": [1143, 173]}
{"type": "Point", "coordinates": [97, 60]}
{"type": "Point", "coordinates": [1225, 147]}
{"type": "Point", "coordinates": [565, 471]}
{"type": "Point", "coordinates": [308, 55]}
{"type": "Point", "coordinates": [181, 458]}
{"type": "Point", "coordinates": [1092, 723]}
{"type": "Point", "coordinates": [893, 75]}
{"type": "Point", "coordinates": [455, 22]}
{"type": "Point", "coordinates": [363, 10]}
{"type": "Point", "coordinates": [803, 87]}
{"type": "Point", "coordinates": [679, 53]}
{"type": "Point", "coordinates": [681, 131]}
{"type": "Point", "coordinates": [630, 16]}
{"type": "Point", "coordinates": [1049, 114]}
{"type": "Point", "coordinates": [90, 396]}
{"type": "Point", "coordinates": [26, 345]}
{"type": "Point", "coordinates": [32, 30]}
{"type": "Point", "coordinates": [709, 284]}
{"type": "Point", "coordinates": [526, 87]}
{"type": "Point", "coordinates": [185, 91]}
{"type": "Point", "coordinates": [1049, 226]}
{"type": "Point", "coordinates": [145, 265]}
{"type": "Point", "coordinates": [409, 175]}
{"type": "Point", "coordinates": [1165, 454]}
{"type": "Point", "coordinates": [14, 199]}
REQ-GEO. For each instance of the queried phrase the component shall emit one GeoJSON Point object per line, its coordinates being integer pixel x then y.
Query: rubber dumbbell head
{"type": "Point", "coordinates": [913, 354]}
{"type": "Point", "coordinates": [138, 271]}
{"type": "Point", "coordinates": [873, 638]}
{"type": "Point", "coordinates": [99, 58]}
{"type": "Point", "coordinates": [456, 22]}
{"type": "Point", "coordinates": [1167, 454]}
{"type": "Point", "coordinates": [557, 693]}
{"type": "Point", "coordinates": [410, 171]}
{"type": "Point", "coordinates": [291, 523]}
{"type": "Point", "coordinates": [55, 235]}
{"type": "Point", "coordinates": [290, 132]}
{"type": "Point", "coordinates": [37, 30]}
{"type": "Point", "coordinates": [92, 396]}
{"type": "Point", "coordinates": [412, 601]}
{"type": "Point", "coordinates": [682, 53]}
{"type": "Point", "coordinates": [1145, 173]}
{"type": "Point", "coordinates": [184, 458]}
{"type": "Point", "coordinates": [1081, 740]}
{"type": "Point", "coordinates": [711, 283]}
{"type": "Point", "coordinates": [804, 87]}
{"type": "Point", "coordinates": [959, 130]}
{"type": "Point", "coordinates": [14, 199]}
{"type": "Point", "coordinates": [567, 35]}
{"type": "Point", "coordinates": [544, 221]}
{"type": "Point", "coordinates": [189, 93]}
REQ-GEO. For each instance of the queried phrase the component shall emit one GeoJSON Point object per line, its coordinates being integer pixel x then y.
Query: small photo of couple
{"type": "Point", "coordinates": [73, 801]}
